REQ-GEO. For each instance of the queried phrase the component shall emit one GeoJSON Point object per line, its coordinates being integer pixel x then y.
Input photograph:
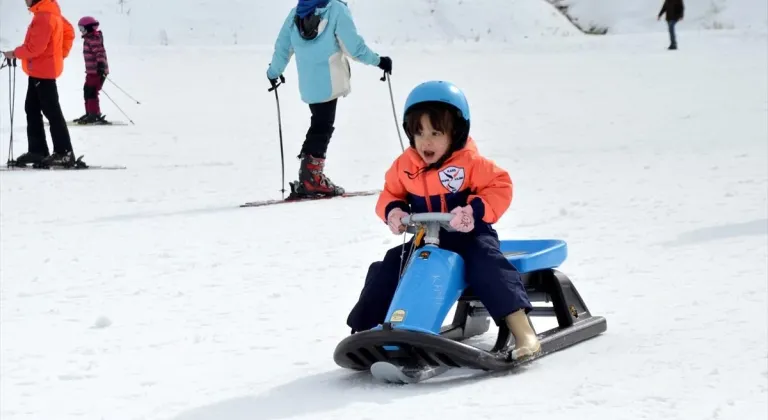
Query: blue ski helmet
{"type": "Point", "coordinates": [446, 93]}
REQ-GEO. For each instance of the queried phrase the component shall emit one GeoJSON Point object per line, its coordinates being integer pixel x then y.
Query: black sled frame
{"type": "Point", "coordinates": [415, 350]}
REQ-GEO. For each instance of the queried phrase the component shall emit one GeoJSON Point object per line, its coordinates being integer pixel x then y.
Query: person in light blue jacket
{"type": "Point", "coordinates": [322, 34]}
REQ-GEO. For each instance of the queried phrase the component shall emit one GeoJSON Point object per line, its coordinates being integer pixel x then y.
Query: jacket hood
{"type": "Point", "coordinates": [46, 6]}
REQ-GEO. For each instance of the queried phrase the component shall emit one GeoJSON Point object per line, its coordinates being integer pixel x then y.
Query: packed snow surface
{"type": "Point", "coordinates": [147, 293]}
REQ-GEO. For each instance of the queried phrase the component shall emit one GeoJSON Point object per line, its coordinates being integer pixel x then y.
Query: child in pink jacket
{"type": "Point", "coordinates": [96, 69]}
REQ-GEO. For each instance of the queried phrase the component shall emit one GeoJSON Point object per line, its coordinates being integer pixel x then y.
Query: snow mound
{"type": "Point", "coordinates": [236, 22]}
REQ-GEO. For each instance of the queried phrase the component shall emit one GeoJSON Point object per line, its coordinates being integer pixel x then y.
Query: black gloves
{"type": "Point", "coordinates": [385, 63]}
{"type": "Point", "coordinates": [273, 82]}
{"type": "Point", "coordinates": [101, 71]}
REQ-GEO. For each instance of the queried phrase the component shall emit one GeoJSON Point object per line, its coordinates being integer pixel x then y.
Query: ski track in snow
{"type": "Point", "coordinates": [148, 294]}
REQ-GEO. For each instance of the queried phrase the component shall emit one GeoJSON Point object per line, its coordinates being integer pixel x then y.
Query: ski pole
{"type": "Point", "coordinates": [118, 107]}
{"type": "Point", "coordinates": [6, 63]}
{"type": "Point", "coordinates": [11, 102]}
{"type": "Point", "coordinates": [280, 129]}
{"type": "Point", "coordinates": [394, 113]}
{"type": "Point", "coordinates": [121, 89]}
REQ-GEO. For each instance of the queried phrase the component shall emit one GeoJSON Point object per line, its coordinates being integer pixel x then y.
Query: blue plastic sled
{"type": "Point", "coordinates": [413, 345]}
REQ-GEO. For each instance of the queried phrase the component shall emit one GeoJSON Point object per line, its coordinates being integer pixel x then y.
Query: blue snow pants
{"type": "Point", "coordinates": [490, 275]}
{"type": "Point", "coordinates": [672, 37]}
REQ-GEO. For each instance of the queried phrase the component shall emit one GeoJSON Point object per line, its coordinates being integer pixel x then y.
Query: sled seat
{"type": "Point", "coordinates": [532, 281]}
{"type": "Point", "coordinates": [533, 258]}
{"type": "Point", "coordinates": [528, 255]}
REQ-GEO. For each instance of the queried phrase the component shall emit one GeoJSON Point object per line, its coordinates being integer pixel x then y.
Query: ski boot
{"type": "Point", "coordinates": [312, 180]}
{"type": "Point", "coordinates": [26, 159]}
{"type": "Point", "coordinates": [93, 119]}
{"type": "Point", "coordinates": [66, 160]}
{"type": "Point", "coordinates": [82, 118]}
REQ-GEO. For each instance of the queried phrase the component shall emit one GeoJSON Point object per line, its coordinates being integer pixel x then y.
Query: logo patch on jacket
{"type": "Point", "coordinates": [452, 178]}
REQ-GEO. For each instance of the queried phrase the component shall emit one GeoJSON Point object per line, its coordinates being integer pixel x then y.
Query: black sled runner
{"type": "Point", "coordinates": [412, 345]}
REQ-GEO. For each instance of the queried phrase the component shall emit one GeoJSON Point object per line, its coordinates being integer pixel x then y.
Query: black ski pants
{"type": "Point", "coordinates": [320, 129]}
{"type": "Point", "coordinates": [488, 273]}
{"type": "Point", "coordinates": [43, 99]}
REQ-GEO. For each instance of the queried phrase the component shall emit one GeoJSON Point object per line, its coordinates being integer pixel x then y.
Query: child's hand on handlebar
{"type": "Point", "coordinates": [463, 221]}
{"type": "Point", "coordinates": [395, 221]}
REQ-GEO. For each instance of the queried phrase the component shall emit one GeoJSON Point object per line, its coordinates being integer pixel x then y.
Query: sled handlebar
{"type": "Point", "coordinates": [427, 217]}
{"type": "Point", "coordinates": [432, 222]}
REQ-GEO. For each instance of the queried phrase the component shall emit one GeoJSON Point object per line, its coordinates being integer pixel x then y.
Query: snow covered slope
{"type": "Point", "coordinates": [230, 22]}
{"type": "Point", "coordinates": [147, 294]}
{"type": "Point", "coordinates": [640, 15]}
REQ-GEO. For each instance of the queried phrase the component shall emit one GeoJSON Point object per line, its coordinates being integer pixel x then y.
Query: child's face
{"type": "Point", "coordinates": [430, 143]}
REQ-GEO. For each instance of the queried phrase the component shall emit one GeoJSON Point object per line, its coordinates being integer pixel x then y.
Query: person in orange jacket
{"type": "Point", "coordinates": [47, 43]}
{"type": "Point", "coordinates": [442, 171]}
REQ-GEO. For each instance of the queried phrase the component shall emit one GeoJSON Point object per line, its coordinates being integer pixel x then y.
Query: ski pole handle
{"type": "Point", "coordinates": [282, 80]}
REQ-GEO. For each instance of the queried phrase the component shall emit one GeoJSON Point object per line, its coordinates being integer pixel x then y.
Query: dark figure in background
{"type": "Point", "coordinates": [674, 9]}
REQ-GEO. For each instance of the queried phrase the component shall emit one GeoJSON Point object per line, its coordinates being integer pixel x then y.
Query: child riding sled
{"type": "Point", "coordinates": [442, 171]}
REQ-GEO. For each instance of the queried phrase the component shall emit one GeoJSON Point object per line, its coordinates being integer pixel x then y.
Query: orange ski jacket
{"type": "Point", "coordinates": [466, 178]}
{"type": "Point", "coordinates": [48, 41]}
